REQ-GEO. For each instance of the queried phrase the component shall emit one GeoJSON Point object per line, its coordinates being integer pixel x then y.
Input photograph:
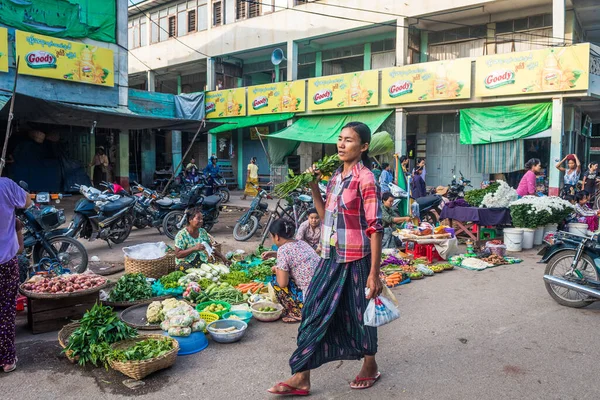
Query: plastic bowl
{"type": "Point", "coordinates": [266, 316]}
{"type": "Point", "coordinates": [228, 337]}
{"type": "Point", "coordinates": [192, 344]}
{"type": "Point", "coordinates": [200, 307]}
{"type": "Point", "coordinates": [245, 316]}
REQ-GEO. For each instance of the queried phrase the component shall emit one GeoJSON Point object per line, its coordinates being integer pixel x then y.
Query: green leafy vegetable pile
{"type": "Point", "coordinates": [475, 197]}
{"type": "Point", "coordinates": [131, 287]}
{"type": "Point", "coordinates": [234, 278]}
{"type": "Point", "coordinates": [170, 281]}
{"type": "Point", "coordinates": [143, 350]}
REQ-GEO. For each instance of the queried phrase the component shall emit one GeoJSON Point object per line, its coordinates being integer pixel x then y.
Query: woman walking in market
{"type": "Point", "coordinates": [347, 276]}
{"type": "Point", "coordinates": [251, 180]}
{"type": "Point", "coordinates": [296, 263]}
{"type": "Point", "coordinates": [11, 198]}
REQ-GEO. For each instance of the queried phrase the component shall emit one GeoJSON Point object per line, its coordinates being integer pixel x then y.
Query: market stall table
{"type": "Point", "coordinates": [476, 216]}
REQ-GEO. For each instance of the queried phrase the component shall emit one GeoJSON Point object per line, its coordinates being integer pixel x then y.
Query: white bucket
{"type": "Point", "coordinates": [578, 229]}
{"type": "Point", "coordinates": [528, 235]}
{"type": "Point", "coordinates": [538, 236]}
{"type": "Point", "coordinates": [513, 239]}
{"type": "Point", "coordinates": [550, 228]}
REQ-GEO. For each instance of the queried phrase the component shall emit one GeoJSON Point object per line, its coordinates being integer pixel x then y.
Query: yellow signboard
{"type": "Point", "coordinates": [262, 130]}
{"type": "Point", "coordinates": [53, 58]}
{"type": "Point", "coordinates": [226, 103]}
{"type": "Point", "coordinates": [554, 69]}
{"type": "Point", "coordinates": [342, 91]}
{"type": "Point", "coordinates": [277, 98]}
{"type": "Point", "coordinates": [432, 81]}
{"type": "Point", "coordinates": [3, 50]}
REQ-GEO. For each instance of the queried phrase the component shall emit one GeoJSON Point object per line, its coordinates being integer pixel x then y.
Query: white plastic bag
{"type": "Point", "coordinates": [146, 251]}
{"type": "Point", "coordinates": [380, 311]}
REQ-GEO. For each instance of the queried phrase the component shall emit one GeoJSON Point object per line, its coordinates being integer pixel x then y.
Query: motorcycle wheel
{"type": "Point", "coordinates": [243, 232]}
{"type": "Point", "coordinates": [224, 193]}
{"type": "Point", "coordinates": [558, 266]}
{"type": "Point", "coordinates": [124, 223]}
{"type": "Point", "coordinates": [170, 223]}
{"type": "Point", "coordinates": [429, 217]}
{"type": "Point", "coordinates": [208, 227]}
{"type": "Point", "coordinates": [70, 253]}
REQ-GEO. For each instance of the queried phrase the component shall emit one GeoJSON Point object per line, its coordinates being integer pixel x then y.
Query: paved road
{"type": "Point", "coordinates": [493, 334]}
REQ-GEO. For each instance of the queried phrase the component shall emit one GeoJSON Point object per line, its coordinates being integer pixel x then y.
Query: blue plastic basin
{"type": "Point", "coordinates": [194, 343]}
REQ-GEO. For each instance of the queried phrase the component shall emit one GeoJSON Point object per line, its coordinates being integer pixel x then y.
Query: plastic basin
{"type": "Point", "coordinates": [268, 316]}
{"type": "Point", "coordinates": [194, 343]}
{"type": "Point", "coordinates": [245, 316]}
{"type": "Point", "coordinates": [227, 337]}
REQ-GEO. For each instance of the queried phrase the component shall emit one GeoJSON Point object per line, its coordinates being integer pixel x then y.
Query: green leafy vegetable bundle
{"type": "Point", "coordinates": [234, 278]}
{"type": "Point", "coordinates": [326, 166]}
{"type": "Point", "coordinates": [143, 350]}
{"type": "Point", "coordinates": [131, 287]}
{"type": "Point", "coordinates": [261, 272]}
{"type": "Point", "coordinates": [170, 281]}
{"type": "Point", "coordinates": [99, 328]}
{"type": "Point", "coordinates": [475, 197]}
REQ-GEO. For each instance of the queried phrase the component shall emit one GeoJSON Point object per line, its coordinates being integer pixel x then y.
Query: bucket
{"type": "Point", "coordinates": [528, 235]}
{"type": "Point", "coordinates": [550, 228]}
{"type": "Point", "coordinates": [538, 236]}
{"type": "Point", "coordinates": [513, 239]}
{"type": "Point", "coordinates": [578, 229]}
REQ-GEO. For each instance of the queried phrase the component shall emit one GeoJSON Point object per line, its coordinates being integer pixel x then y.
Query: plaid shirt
{"type": "Point", "coordinates": [352, 214]}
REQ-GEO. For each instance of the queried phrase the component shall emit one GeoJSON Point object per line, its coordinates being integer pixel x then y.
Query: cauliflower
{"type": "Point", "coordinates": [154, 313]}
{"type": "Point", "coordinates": [169, 304]}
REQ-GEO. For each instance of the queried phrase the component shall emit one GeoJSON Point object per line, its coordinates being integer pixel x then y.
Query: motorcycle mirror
{"type": "Point", "coordinates": [57, 201]}
{"type": "Point", "coordinates": [24, 185]}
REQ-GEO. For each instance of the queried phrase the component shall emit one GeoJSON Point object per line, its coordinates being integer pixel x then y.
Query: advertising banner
{"type": "Point", "coordinates": [3, 50]}
{"type": "Point", "coordinates": [556, 69]}
{"type": "Point", "coordinates": [48, 57]}
{"type": "Point", "coordinates": [226, 103]}
{"type": "Point", "coordinates": [357, 89]}
{"type": "Point", "coordinates": [277, 98]}
{"type": "Point", "coordinates": [432, 81]}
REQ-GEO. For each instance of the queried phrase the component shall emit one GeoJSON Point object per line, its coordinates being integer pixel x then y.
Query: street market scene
{"type": "Point", "coordinates": [281, 198]}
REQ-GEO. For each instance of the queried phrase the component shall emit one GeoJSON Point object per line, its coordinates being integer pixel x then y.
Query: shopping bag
{"type": "Point", "coordinates": [380, 311]}
{"type": "Point", "coordinates": [387, 293]}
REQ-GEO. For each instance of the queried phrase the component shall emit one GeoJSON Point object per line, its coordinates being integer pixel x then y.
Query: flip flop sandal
{"type": "Point", "coordinates": [358, 380]}
{"type": "Point", "coordinates": [12, 367]}
{"type": "Point", "coordinates": [291, 392]}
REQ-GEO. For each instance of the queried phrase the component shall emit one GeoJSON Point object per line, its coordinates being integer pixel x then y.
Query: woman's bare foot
{"type": "Point", "coordinates": [300, 381]}
{"type": "Point", "coordinates": [369, 370]}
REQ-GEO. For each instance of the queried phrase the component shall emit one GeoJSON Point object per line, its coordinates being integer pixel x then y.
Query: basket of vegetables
{"type": "Point", "coordinates": [215, 307]}
{"type": "Point", "coordinates": [151, 268]}
{"type": "Point", "coordinates": [143, 355]}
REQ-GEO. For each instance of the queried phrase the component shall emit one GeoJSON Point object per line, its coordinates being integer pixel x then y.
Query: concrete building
{"type": "Point", "coordinates": [179, 46]}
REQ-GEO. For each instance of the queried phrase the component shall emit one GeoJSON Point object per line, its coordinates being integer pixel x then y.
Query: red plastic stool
{"type": "Point", "coordinates": [21, 301]}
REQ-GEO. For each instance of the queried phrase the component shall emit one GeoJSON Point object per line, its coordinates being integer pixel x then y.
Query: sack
{"type": "Point", "coordinates": [380, 311]}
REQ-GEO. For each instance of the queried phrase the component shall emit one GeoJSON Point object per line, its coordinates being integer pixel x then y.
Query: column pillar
{"type": "Point", "coordinates": [367, 57]}
{"type": "Point", "coordinates": [151, 81]}
{"type": "Point", "coordinates": [176, 150]}
{"type": "Point", "coordinates": [211, 82]}
{"type": "Point", "coordinates": [556, 145]}
{"type": "Point", "coordinates": [91, 153]}
{"type": "Point", "coordinates": [401, 41]}
{"type": "Point", "coordinates": [318, 64]}
{"type": "Point", "coordinates": [241, 171]}
{"type": "Point", "coordinates": [424, 47]}
{"type": "Point", "coordinates": [491, 38]}
{"type": "Point", "coordinates": [123, 164]}
{"type": "Point", "coordinates": [558, 21]}
{"type": "Point", "coordinates": [277, 76]}
{"type": "Point", "coordinates": [292, 60]}
{"type": "Point", "coordinates": [148, 157]}
{"type": "Point", "coordinates": [400, 133]}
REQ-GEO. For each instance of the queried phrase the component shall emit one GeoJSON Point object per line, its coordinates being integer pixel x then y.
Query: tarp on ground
{"type": "Point", "coordinates": [504, 123]}
{"type": "Point", "coordinates": [251, 120]}
{"type": "Point", "coordinates": [326, 128]}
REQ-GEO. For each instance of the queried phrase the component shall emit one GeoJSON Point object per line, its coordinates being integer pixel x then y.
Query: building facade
{"type": "Point", "coordinates": [415, 67]}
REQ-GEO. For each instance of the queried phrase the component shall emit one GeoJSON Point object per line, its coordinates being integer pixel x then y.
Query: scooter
{"type": "Point", "coordinates": [572, 275]}
{"type": "Point", "coordinates": [456, 189]}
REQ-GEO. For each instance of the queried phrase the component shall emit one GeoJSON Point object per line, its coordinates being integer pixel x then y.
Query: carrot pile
{"type": "Point", "coordinates": [393, 279]}
{"type": "Point", "coordinates": [253, 287]}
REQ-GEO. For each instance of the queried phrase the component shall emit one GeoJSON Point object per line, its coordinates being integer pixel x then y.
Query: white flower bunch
{"type": "Point", "coordinates": [501, 198]}
{"type": "Point", "coordinates": [545, 203]}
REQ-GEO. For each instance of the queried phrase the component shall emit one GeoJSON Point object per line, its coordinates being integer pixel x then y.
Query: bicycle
{"type": "Point", "coordinates": [297, 211]}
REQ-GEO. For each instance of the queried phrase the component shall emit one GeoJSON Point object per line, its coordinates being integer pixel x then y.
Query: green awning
{"type": "Point", "coordinates": [251, 120]}
{"type": "Point", "coordinates": [504, 123]}
{"type": "Point", "coordinates": [326, 128]}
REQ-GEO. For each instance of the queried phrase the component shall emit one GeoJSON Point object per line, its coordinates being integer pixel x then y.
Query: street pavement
{"type": "Point", "coordinates": [493, 334]}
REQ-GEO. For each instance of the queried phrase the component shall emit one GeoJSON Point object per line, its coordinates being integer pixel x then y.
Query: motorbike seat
{"type": "Point", "coordinates": [117, 205]}
{"type": "Point", "coordinates": [165, 202]}
{"type": "Point", "coordinates": [428, 201]}
{"type": "Point", "coordinates": [211, 201]}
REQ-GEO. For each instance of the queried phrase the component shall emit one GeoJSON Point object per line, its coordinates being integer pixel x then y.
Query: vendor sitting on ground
{"type": "Point", "coordinates": [310, 230]}
{"type": "Point", "coordinates": [585, 214]}
{"type": "Point", "coordinates": [193, 245]}
{"type": "Point", "coordinates": [391, 218]}
{"type": "Point", "coordinates": [296, 263]}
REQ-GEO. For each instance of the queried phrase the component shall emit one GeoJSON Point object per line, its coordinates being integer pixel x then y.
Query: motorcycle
{"type": "Point", "coordinates": [175, 220]}
{"type": "Point", "coordinates": [456, 189]}
{"type": "Point", "coordinates": [429, 206]}
{"type": "Point", "coordinates": [572, 275]}
{"type": "Point", "coordinates": [101, 216]}
{"type": "Point", "coordinates": [220, 187]}
{"type": "Point", "coordinates": [150, 208]}
{"type": "Point", "coordinates": [248, 224]}
{"type": "Point", "coordinates": [43, 245]}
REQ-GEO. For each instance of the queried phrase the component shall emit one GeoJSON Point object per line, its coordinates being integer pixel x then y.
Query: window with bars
{"type": "Point", "coordinates": [457, 34]}
{"type": "Point", "coordinates": [172, 27]}
{"type": "Point", "coordinates": [240, 9]}
{"type": "Point", "coordinates": [217, 13]}
{"type": "Point", "coordinates": [191, 21]}
{"type": "Point", "coordinates": [253, 9]}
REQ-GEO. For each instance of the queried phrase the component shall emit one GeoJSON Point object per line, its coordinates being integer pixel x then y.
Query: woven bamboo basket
{"type": "Point", "coordinates": [141, 369]}
{"type": "Point", "coordinates": [151, 268]}
{"type": "Point", "coordinates": [63, 338]}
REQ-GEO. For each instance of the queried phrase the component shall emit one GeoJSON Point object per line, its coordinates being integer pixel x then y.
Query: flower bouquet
{"type": "Point", "coordinates": [532, 211]}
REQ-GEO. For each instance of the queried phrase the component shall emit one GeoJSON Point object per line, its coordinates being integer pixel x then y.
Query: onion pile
{"type": "Point", "coordinates": [64, 283]}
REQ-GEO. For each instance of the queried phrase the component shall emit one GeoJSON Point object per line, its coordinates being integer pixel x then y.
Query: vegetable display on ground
{"type": "Point", "coordinates": [143, 350]}
{"type": "Point", "coordinates": [131, 287]}
{"type": "Point", "coordinates": [63, 283]}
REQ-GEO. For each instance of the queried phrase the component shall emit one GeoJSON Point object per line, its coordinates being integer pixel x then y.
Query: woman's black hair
{"type": "Point", "coordinates": [569, 197]}
{"type": "Point", "coordinates": [532, 163]}
{"type": "Point", "coordinates": [403, 158]}
{"type": "Point", "coordinates": [283, 228]}
{"type": "Point", "coordinates": [419, 159]}
{"type": "Point", "coordinates": [580, 195]}
{"type": "Point", "coordinates": [385, 165]}
{"type": "Point", "coordinates": [312, 211]}
{"type": "Point", "coordinates": [191, 213]}
{"type": "Point", "coordinates": [364, 132]}
{"type": "Point", "coordinates": [593, 163]}
{"type": "Point", "coordinates": [386, 196]}
{"type": "Point", "coordinates": [253, 160]}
